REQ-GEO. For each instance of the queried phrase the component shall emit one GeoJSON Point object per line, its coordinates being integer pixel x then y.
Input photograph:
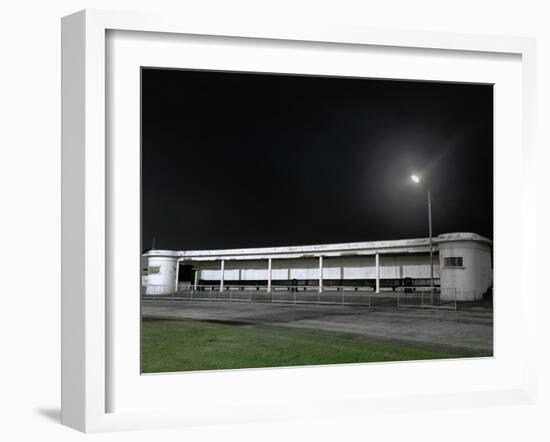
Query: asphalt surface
{"type": "Point", "coordinates": [472, 328]}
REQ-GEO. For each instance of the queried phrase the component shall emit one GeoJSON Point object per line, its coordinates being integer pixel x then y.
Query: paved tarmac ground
{"type": "Point", "coordinates": [469, 328]}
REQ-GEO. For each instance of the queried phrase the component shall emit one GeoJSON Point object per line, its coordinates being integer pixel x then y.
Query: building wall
{"type": "Point", "coordinates": [161, 277]}
{"type": "Point", "coordinates": [474, 277]}
{"type": "Point", "coordinates": [353, 267]}
{"type": "Point", "coordinates": [467, 282]}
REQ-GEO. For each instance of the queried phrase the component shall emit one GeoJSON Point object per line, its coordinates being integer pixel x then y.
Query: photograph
{"type": "Point", "coordinates": [302, 220]}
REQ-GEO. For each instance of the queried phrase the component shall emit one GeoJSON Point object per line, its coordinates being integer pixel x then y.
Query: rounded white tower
{"type": "Point", "coordinates": [465, 266]}
{"type": "Point", "coordinates": [161, 275]}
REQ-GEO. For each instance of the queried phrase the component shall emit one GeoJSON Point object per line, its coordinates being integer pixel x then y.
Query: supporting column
{"type": "Point", "coordinates": [377, 273]}
{"type": "Point", "coordinates": [177, 275]}
{"type": "Point", "coordinates": [320, 274]}
{"type": "Point", "coordinates": [196, 283]}
{"type": "Point", "coordinates": [221, 275]}
{"type": "Point", "coordinates": [269, 275]}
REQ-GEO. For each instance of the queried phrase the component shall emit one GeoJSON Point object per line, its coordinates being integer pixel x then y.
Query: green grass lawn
{"type": "Point", "coordinates": [183, 345]}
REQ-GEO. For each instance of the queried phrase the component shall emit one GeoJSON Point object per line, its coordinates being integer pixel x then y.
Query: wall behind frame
{"type": "Point", "coordinates": [30, 165]}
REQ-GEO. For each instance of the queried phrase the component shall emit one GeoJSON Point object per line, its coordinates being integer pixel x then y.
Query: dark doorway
{"type": "Point", "coordinates": [187, 273]}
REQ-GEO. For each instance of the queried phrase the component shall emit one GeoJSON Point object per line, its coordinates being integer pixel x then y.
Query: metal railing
{"type": "Point", "coordinates": [343, 295]}
{"type": "Point", "coordinates": [403, 297]}
{"type": "Point", "coordinates": [157, 290]}
{"type": "Point", "coordinates": [426, 298]}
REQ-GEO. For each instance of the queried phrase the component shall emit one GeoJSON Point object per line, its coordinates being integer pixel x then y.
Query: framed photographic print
{"type": "Point", "coordinates": [263, 222]}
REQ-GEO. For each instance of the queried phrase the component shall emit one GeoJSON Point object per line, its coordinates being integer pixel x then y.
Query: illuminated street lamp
{"type": "Point", "coordinates": [416, 179]}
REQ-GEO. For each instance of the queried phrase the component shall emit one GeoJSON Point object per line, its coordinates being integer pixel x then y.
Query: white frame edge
{"type": "Point", "coordinates": [83, 333]}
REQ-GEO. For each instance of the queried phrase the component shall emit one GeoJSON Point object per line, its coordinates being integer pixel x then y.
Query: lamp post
{"type": "Point", "coordinates": [416, 179]}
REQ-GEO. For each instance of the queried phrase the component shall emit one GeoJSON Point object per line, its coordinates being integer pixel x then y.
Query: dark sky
{"type": "Point", "coordinates": [245, 160]}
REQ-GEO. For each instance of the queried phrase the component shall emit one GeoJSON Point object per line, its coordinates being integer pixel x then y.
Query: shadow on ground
{"type": "Point", "coordinates": [51, 414]}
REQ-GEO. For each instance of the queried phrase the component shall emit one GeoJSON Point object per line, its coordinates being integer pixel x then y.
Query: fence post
{"type": "Point", "coordinates": [455, 298]}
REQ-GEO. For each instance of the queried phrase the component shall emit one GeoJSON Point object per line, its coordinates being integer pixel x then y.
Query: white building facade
{"type": "Point", "coordinates": [462, 262]}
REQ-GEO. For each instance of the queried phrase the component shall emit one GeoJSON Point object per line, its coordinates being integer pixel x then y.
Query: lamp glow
{"type": "Point", "coordinates": [415, 178]}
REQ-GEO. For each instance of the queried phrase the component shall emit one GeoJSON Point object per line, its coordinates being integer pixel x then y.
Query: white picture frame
{"type": "Point", "coordinates": [86, 353]}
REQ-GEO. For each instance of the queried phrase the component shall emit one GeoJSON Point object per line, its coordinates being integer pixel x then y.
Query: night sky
{"type": "Point", "coordinates": [249, 160]}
